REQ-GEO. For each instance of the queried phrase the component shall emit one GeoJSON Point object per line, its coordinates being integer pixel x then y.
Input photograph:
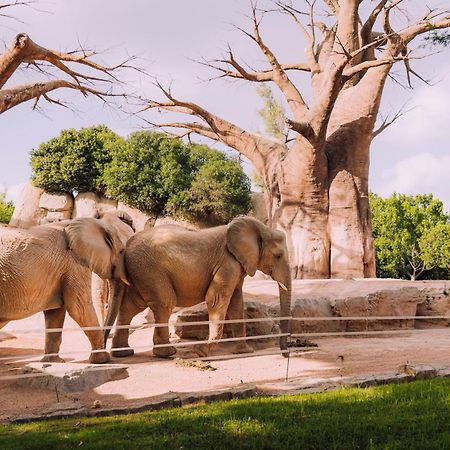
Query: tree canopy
{"type": "Point", "coordinates": [412, 236]}
{"type": "Point", "coordinates": [150, 171]}
{"type": "Point", "coordinates": [6, 209]}
{"type": "Point", "coordinates": [75, 160]}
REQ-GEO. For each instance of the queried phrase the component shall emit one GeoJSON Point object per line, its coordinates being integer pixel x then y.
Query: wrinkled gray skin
{"type": "Point", "coordinates": [170, 266]}
{"type": "Point", "coordinates": [48, 268]}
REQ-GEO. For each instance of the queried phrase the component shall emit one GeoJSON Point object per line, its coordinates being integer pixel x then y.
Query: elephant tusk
{"type": "Point", "coordinates": [125, 281]}
{"type": "Point", "coordinates": [282, 286]}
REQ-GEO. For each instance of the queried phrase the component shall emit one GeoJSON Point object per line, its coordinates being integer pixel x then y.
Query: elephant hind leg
{"type": "Point", "coordinates": [54, 318]}
{"type": "Point", "coordinates": [128, 310]}
{"type": "Point", "coordinates": [161, 334]}
{"type": "Point", "coordinates": [82, 311]}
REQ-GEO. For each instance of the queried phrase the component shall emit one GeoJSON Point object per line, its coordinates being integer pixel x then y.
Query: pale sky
{"type": "Point", "coordinates": [412, 156]}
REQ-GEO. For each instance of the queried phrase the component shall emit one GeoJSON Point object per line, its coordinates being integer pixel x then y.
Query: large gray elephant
{"type": "Point", "coordinates": [171, 266]}
{"type": "Point", "coordinates": [48, 268]}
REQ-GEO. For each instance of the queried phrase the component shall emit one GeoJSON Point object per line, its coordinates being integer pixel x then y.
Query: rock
{"type": "Point", "coordinates": [89, 204]}
{"type": "Point", "coordinates": [27, 212]}
{"type": "Point", "coordinates": [139, 218]}
{"type": "Point", "coordinates": [56, 216]}
{"type": "Point", "coordinates": [320, 307]}
{"type": "Point", "coordinates": [433, 302]}
{"type": "Point", "coordinates": [71, 377]}
{"type": "Point", "coordinates": [56, 202]}
{"type": "Point", "coordinates": [199, 313]}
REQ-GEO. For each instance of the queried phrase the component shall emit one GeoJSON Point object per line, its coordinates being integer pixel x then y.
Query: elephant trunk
{"type": "Point", "coordinates": [116, 293]}
{"type": "Point", "coordinates": [285, 289]}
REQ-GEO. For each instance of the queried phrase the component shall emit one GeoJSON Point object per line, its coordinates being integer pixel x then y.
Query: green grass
{"type": "Point", "coordinates": [398, 416]}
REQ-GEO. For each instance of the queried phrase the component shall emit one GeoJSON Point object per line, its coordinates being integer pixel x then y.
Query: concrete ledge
{"type": "Point", "coordinates": [71, 377]}
{"type": "Point", "coordinates": [406, 373]}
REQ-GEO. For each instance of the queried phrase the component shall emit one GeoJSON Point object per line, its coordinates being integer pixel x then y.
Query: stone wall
{"type": "Point", "coordinates": [37, 207]}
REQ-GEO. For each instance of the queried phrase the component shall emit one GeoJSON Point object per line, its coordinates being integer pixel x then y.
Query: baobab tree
{"type": "Point", "coordinates": [317, 181]}
{"type": "Point", "coordinates": [74, 70]}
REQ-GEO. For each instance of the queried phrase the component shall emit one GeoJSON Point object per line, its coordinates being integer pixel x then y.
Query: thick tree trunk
{"type": "Point", "coordinates": [300, 209]}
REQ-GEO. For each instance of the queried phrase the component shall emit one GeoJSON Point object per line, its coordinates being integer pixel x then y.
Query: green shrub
{"type": "Point", "coordinates": [74, 160]}
{"type": "Point", "coordinates": [6, 209]}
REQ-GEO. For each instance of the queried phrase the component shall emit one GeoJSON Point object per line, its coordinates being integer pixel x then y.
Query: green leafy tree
{"type": "Point", "coordinates": [6, 209]}
{"type": "Point", "coordinates": [75, 160]}
{"type": "Point", "coordinates": [149, 171]}
{"type": "Point", "coordinates": [401, 226]}
{"type": "Point", "coordinates": [162, 175]}
{"type": "Point", "coordinates": [219, 191]}
{"type": "Point", "coordinates": [435, 247]}
{"type": "Point", "coordinates": [438, 38]}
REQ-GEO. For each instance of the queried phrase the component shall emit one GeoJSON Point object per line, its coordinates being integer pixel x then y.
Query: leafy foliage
{"type": "Point", "coordinates": [6, 209]}
{"type": "Point", "coordinates": [403, 227]}
{"type": "Point", "coordinates": [441, 38]}
{"type": "Point", "coordinates": [220, 190]}
{"type": "Point", "coordinates": [75, 160]}
{"type": "Point", "coordinates": [149, 171]}
{"type": "Point", "coordinates": [273, 113]}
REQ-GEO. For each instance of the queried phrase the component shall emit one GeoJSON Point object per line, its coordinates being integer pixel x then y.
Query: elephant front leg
{"type": "Point", "coordinates": [54, 318]}
{"type": "Point", "coordinates": [236, 312]}
{"type": "Point", "coordinates": [217, 300]}
{"type": "Point", "coordinates": [161, 333]}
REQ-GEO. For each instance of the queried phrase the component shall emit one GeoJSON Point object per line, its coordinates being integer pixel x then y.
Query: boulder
{"type": "Point", "coordinates": [56, 216]}
{"type": "Point", "coordinates": [56, 202]}
{"type": "Point", "coordinates": [27, 212]}
{"type": "Point", "coordinates": [89, 204]}
{"type": "Point", "coordinates": [199, 313]}
{"type": "Point", "coordinates": [433, 302]}
{"type": "Point", "coordinates": [139, 218]}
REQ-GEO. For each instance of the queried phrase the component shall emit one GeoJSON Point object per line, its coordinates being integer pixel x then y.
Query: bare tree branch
{"type": "Point", "coordinates": [293, 97]}
{"type": "Point", "coordinates": [24, 51]}
{"type": "Point", "coordinates": [254, 147]}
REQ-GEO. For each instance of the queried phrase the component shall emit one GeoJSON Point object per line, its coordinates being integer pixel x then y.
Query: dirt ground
{"type": "Point", "coordinates": [335, 358]}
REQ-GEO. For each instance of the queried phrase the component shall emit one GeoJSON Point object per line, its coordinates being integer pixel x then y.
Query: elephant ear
{"type": "Point", "coordinates": [91, 242]}
{"type": "Point", "coordinates": [244, 241]}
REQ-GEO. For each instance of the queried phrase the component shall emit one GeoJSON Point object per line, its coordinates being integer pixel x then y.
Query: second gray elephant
{"type": "Point", "coordinates": [171, 266]}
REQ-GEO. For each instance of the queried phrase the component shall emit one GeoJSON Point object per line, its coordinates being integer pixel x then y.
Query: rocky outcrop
{"type": "Point", "coordinates": [27, 212]}
{"type": "Point", "coordinates": [57, 207]}
{"type": "Point", "coordinates": [199, 313]}
{"type": "Point", "coordinates": [140, 219]}
{"type": "Point", "coordinates": [89, 204]}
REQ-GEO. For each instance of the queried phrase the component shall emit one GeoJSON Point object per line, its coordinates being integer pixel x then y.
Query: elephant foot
{"type": "Point", "coordinates": [99, 358]}
{"type": "Point", "coordinates": [202, 349]}
{"type": "Point", "coordinates": [243, 347]}
{"type": "Point", "coordinates": [164, 352]}
{"type": "Point", "coordinates": [52, 359]}
{"type": "Point", "coordinates": [122, 353]}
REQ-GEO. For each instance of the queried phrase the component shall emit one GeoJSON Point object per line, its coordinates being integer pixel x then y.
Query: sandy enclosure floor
{"type": "Point", "coordinates": [334, 358]}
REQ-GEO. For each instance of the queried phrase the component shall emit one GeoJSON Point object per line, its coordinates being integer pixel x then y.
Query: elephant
{"type": "Point", "coordinates": [100, 288]}
{"type": "Point", "coordinates": [171, 266]}
{"type": "Point", "coordinates": [48, 268]}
